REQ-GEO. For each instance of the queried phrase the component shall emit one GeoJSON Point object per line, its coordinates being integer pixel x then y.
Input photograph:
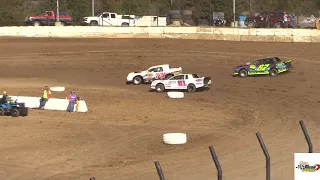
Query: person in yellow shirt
{"type": "Point", "coordinates": [46, 95]}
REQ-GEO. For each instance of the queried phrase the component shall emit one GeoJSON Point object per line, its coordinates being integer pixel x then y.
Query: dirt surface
{"type": "Point", "coordinates": [121, 135]}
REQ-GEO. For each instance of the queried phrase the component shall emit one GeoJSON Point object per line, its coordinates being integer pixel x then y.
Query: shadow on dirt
{"type": "Point", "coordinates": [263, 75]}
{"type": "Point", "coordinates": [179, 90]}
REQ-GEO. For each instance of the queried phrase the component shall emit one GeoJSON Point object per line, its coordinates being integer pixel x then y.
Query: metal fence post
{"type": "Point", "coordinates": [216, 162]}
{"type": "Point", "coordinates": [92, 178]}
{"type": "Point", "coordinates": [306, 135]}
{"type": "Point", "coordinates": [265, 151]}
{"type": "Point", "coordinates": [159, 170]}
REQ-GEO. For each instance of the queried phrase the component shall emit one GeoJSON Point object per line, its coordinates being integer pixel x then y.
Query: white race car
{"type": "Point", "coordinates": [189, 82]}
{"type": "Point", "coordinates": [153, 73]}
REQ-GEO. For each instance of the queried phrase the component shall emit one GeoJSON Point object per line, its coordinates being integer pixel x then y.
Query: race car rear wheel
{"type": "Point", "coordinates": [137, 80]}
{"type": "Point", "coordinates": [160, 88]}
{"type": "Point", "coordinates": [191, 88]}
{"type": "Point", "coordinates": [243, 73]}
{"type": "Point", "coordinates": [273, 72]}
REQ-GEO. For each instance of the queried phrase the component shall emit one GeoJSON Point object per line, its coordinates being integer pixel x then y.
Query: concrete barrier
{"type": "Point", "coordinates": [52, 104]}
{"type": "Point", "coordinates": [229, 34]}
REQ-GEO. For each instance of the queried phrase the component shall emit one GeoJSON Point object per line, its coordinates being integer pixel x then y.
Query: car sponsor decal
{"type": "Point", "coordinates": [160, 75]}
{"type": "Point", "coordinates": [182, 83]}
{"type": "Point", "coordinates": [263, 67]}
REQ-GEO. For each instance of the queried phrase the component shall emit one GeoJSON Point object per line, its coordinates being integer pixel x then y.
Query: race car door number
{"type": "Point", "coordinates": [181, 83]}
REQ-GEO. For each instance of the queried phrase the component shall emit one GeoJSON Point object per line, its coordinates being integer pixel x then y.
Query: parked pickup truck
{"type": "Point", "coordinates": [273, 19]}
{"type": "Point", "coordinates": [109, 19]}
{"type": "Point", "coordinates": [49, 18]}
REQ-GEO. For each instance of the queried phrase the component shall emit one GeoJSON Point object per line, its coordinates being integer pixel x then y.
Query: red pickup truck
{"type": "Point", "coordinates": [273, 19]}
{"type": "Point", "coordinates": [49, 18]}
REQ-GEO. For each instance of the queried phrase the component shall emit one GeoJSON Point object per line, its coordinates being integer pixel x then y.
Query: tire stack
{"type": "Point", "coordinates": [203, 22]}
{"type": "Point", "coordinates": [174, 15]}
{"type": "Point", "coordinates": [187, 17]}
{"type": "Point", "coordinates": [181, 15]}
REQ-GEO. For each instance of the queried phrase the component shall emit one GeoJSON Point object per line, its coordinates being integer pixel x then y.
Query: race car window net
{"type": "Point", "coordinates": [195, 76]}
{"type": "Point", "coordinates": [177, 77]}
{"type": "Point", "coordinates": [159, 69]}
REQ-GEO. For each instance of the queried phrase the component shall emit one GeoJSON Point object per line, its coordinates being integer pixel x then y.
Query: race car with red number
{"type": "Point", "coordinates": [153, 73]}
{"type": "Point", "coordinates": [189, 82]}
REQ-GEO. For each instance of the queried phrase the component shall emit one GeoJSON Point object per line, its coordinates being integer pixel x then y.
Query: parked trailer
{"type": "Point", "coordinates": [152, 21]}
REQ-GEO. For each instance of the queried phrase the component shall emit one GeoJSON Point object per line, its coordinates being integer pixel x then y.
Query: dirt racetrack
{"type": "Point", "coordinates": [121, 135]}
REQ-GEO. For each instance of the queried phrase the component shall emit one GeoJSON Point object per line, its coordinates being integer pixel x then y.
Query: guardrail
{"type": "Point", "coordinates": [228, 34]}
{"type": "Point", "coordinates": [263, 147]}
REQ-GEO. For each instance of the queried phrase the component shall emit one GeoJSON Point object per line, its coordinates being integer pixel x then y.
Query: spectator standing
{"type": "Point", "coordinates": [285, 20]}
{"type": "Point", "coordinates": [72, 97]}
{"type": "Point", "coordinates": [46, 95]}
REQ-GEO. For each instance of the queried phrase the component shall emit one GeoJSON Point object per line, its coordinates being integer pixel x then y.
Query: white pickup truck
{"type": "Point", "coordinates": [109, 19]}
{"type": "Point", "coordinates": [189, 82]}
{"type": "Point", "coordinates": [153, 73]}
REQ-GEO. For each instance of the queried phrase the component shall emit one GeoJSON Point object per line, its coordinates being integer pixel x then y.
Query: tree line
{"type": "Point", "coordinates": [13, 12]}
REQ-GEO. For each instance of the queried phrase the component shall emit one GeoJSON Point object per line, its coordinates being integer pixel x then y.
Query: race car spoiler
{"type": "Point", "coordinates": [206, 80]}
{"type": "Point", "coordinates": [288, 64]}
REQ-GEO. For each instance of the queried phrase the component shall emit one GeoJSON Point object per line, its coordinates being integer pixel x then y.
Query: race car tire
{"type": "Point", "coordinates": [191, 88]}
{"type": "Point", "coordinates": [160, 88]}
{"type": "Point", "coordinates": [175, 138]}
{"type": "Point", "coordinates": [57, 88]}
{"type": "Point", "coordinates": [137, 80]}
{"type": "Point", "coordinates": [243, 73]}
{"type": "Point", "coordinates": [273, 72]}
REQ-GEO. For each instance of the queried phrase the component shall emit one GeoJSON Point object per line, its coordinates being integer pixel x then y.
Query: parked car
{"type": "Point", "coordinates": [49, 18]}
{"type": "Point", "coordinates": [273, 19]}
{"type": "Point", "coordinates": [218, 19]}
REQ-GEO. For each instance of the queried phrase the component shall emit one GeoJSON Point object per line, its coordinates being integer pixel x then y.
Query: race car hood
{"type": "Point", "coordinates": [133, 74]}
{"type": "Point", "coordinates": [139, 72]}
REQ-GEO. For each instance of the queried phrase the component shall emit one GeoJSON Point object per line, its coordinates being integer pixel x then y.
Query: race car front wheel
{"type": "Point", "coordinates": [137, 80]}
{"type": "Point", "coordinates": [160, 88]}
{"type": "Point", "coordinates": [243, 73]}
{"type": "Point", "coordinates": [273, 72]}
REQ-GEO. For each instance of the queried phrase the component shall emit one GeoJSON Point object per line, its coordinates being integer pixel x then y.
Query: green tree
{"type": "Point", "coordinates": [136, 7]}
{"type": "Point", "coordinates": [78, 9]}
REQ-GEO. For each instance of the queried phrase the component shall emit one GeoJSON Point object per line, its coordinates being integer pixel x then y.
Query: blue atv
{"type": "Point", "coordinates": [14, 109]}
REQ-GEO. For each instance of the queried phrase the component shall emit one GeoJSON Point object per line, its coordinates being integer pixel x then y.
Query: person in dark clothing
{"type": "Point", "coordinates": [72, 101]}
{"type": "Point", "coordinates": [4, 98]}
